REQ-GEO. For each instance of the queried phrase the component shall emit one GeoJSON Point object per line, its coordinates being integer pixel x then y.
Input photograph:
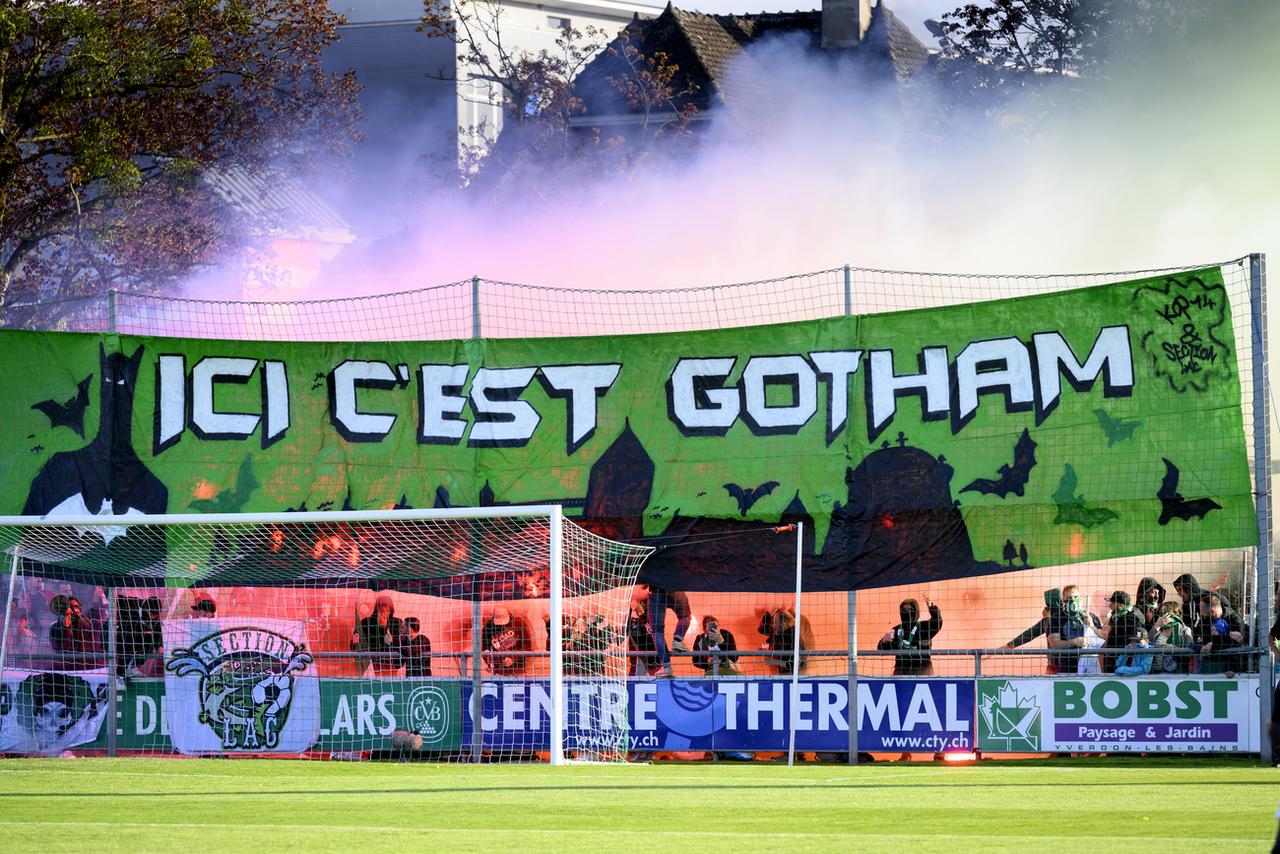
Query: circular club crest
{"type": "Point", "coordinates": [246, 683]}
{"type": "Point", "coordinates": [428, 714]}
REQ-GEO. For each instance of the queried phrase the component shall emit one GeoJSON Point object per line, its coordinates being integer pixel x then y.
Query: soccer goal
{"type": "Point", "coordinates": [460, 635]}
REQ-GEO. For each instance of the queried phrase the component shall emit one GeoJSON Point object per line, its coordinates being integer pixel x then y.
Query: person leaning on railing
{"type": "Point", "coordinates": [1220, 630]}
{"type": "Point", "coordinates": [1125, 628]}
{"type": "Point", "coordinates": [1050, 618]}
{"type": "Point", "coordinates": [1078, 628]}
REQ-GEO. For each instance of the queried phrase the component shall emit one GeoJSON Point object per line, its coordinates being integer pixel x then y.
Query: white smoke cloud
{"type": "Point", "coordinates": [1167, 161]}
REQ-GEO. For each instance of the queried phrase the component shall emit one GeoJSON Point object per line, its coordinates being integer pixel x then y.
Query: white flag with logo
{"type": "Point", "coordinates": [47, 713]}
{"type": "Point", "coordinates": [240, 686]}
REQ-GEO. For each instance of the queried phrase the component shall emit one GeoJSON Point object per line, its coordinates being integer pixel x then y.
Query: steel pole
{"type": "Point", "coordinates": [1262, 486]}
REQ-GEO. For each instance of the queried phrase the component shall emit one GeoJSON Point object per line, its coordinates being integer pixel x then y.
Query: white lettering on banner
{"type": "Point", "coordinates": [206, 420]}
{"type": "Point", "coordinates": [832, 702]}
{"type": "Point", "coordinates": [363, 721]}
{"type": "Point", "coordinates": [148, 714]}
{"type": "Point", "coordinates": [646, 706]}
{"type": "Point", "coordinates": [583, 693]}
{"type": "Point", "coordinates": [774, 706]}
{"type": "Point", "coordinates": [804, 722]}
{"type": "Point", "coordinates": [954, 723]}
{"type": "Point", "coordinates": [706, 395]}
{"type": "Point", "coordinates": [613, 706]}
{"type": "Point", "coordinates": [388, 717]}
{"type": "Point", "coordinates": [342, 723]}
{"type": "Point", "coordinates": [731, 691]}
{"type": "Point", "coordinates": [874, 709]}
{"type": "Point", "coordinates": [921, 710]}
{"type": "Point", "coordinates": [762, 705]}
{"type": "Point", "coordinates": [364, 711]}
{"type": "Point", "coordinates": [513, 707]}
{"type": "Point", "coordinates": [540, 707]}
{"type": "Point", "coordinates": [881, 711]}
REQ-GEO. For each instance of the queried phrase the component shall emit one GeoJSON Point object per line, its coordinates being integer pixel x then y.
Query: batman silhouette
{"type": "Point", "coordinates": [1072, 509]}
{"type": "Point", "coordinates": [1173, 505]}
{"type": "Point", "coordinates": [747, 496]}
{"type": "Point", "coordinates": [69, 413]}
{"type": "Point", "coordinates": [105, 477]}
{"type": "Point", "coordinates": [1013, 478]}
{"type": "Point", "coordinates": [1116, 429]}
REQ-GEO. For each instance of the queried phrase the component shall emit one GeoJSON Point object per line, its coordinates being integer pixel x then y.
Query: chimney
{"type": "Point", "coordinates": [844, 22]}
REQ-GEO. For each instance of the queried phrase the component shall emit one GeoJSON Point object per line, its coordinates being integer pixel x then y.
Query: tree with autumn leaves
{"type": "Point", "coordinates": [1037, 55]}
{"type": "Point", "coordinates": [113, 113]}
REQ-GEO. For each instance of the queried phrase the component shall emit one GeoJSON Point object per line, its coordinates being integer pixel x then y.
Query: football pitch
{"type": "Point", "coordinates": [1111, 804]}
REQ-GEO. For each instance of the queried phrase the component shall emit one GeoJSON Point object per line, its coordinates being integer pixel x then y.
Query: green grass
{"type": "Point", "coordinates": [202, 806]}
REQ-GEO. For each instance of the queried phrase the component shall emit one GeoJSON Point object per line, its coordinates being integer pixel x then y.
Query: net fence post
{"type": "Point", "coordinates": [113, 670]}
{"type": "Point", "coordinates": [111, 310]}
{"type": "Point", "coordinates": [848, 290]}
{"type": "Point", "coordinates": [8, 609]}
{"type": "Point", "coordinates": [793, 718]}
{"type": "Point", "coordinates": [1262, 480]}
{"type": "Point", "coordinates": [477, 681]}
{"type": "Point", "coordinates": [558, 718]}
{"type": "Point", "coordinates": [852, 680]}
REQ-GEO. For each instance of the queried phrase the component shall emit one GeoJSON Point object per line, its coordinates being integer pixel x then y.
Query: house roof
{"type": "Point", "coordinates": [707, 47]}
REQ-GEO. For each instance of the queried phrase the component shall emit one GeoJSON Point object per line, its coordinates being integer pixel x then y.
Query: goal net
{"type": "Point", "coordinates": [492, 634]}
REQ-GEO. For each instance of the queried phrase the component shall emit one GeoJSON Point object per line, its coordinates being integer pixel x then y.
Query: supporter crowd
{"type": "Point", "coordinates": [60, 626]}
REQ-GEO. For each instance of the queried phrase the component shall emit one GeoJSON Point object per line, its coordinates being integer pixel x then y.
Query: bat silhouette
{"type": "Point", "coordinates": [69, 413]}
{"type": "Point", "coordinates": [748, 497]}
{"type": "Point", "coordinates": [1116, 430]}
{"type": "Point", "coordinates": [1071, 507]}
{"type": "Point", "coordinates": [1012, 478]}
{"type": "Point", "coordinates": [231, 500]}
{"type": "Point", "coordinates": [1173, 505]}
{"type": "Point", "coordinates": [37, 449]}
{"type": "Point", "coordinates": [318, 381]}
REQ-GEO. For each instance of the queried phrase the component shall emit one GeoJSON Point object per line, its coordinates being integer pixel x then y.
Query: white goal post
{"type": "Point", "coordinates": [349, 634]}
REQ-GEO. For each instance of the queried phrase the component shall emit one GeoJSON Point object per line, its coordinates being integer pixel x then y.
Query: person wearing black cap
{"type": "Point", "coordinates": [204, 608]}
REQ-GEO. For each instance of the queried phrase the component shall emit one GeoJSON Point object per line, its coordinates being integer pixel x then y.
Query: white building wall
{"type": "Point", "coordinates": [532, 27]}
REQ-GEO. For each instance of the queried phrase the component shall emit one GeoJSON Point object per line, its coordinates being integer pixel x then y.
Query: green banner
{"type": "Point", "coordinates": [355, 715]}
{"type": "Point", "coordinates": [934, 443]}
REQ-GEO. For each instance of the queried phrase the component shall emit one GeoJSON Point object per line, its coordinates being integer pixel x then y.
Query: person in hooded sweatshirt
{"type": "Point", "coordinates": [379, 634]}
{"type": "Point", "coordinates": [1125, 628]}
{"type": "Point", "coordinates": [1148, 602]}
{"type": "Point", "coordinates": [1190, 592]}
{"type": "Point", "coordinates": [910, 635]}
{"type": "Point", "coordinates": [1050, 618]}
